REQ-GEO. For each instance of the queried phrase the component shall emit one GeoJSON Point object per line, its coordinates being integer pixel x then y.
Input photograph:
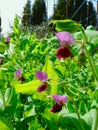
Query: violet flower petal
{"type": "Point", "coordinates": [61, 100]}
{"type": "Point", "coordinates": [65, 38]}
{"type": "Point", "coordinates": [7, 40]}
{"type": "Point", "coordinates": [18, 74]}
{"type": "Point", "coordinates": [42, 76]}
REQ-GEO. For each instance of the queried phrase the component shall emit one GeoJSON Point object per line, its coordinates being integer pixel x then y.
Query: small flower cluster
{"type": "Point", "coordinates": [66, 39]}
{"type": "Point", "coordinates": [60, 100]}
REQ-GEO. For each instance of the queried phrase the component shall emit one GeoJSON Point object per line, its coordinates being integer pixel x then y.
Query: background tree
{"type": "Point", "coordinates": [60, 10]}
{"type": "Point", "coordinates": [78, 10]}
{"type": "Point", "coordinates": [81, 14]}
{"type": "Point", "coordinates": [91, 20]}
{"type": "Point", "coordinates": [39, 13]}
{"type": "Point", "coordinates": [26, 18]}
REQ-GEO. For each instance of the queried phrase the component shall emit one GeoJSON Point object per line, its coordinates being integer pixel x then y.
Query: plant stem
{"type": "Point", "coordinates": [91, 64]}
{"type": "Point", "coordinates": [70, 94]}
{"type": "Point", "coordinates": [88, 55]}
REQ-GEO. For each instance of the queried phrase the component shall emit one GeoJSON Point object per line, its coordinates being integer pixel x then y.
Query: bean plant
{"type": "Point", "coordinates": [49, 83]}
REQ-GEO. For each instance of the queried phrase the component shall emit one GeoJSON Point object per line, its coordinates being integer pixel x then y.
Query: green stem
{"type": "Point", "coordinates": [88, 55]}
{"type": "Point", "coordinates": [70, 94]}
{"type": "Point", "coordinates": [3, 99]}
{"type": "Point", "coordinates": [78, 116]}
{"type": "Point", "coordinates": [91, 64]}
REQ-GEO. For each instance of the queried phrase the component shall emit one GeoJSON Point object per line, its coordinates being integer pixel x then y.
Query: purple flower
{"type": "Point", "coordinates": [61, 100]}
{"type": "Point", "coordinates": [42, 76]}
{"type": "Point", "coordinates": [7, 40]}
{"type": "Point", "coordinates": [63, 52]}
{"type": "Point", "coordinates": [65, 38]}
{"type": "Point", "coordinates": [18, 74]}
{"type": "Point", "coordinates": [56, 108]}
{"type": "Point", "coordinates": [0, 61]}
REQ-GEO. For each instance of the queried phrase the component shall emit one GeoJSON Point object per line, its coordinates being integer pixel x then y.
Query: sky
{"type": "Point", "coordinates": [8, 9]}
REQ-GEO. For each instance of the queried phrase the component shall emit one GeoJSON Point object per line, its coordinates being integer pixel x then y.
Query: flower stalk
{"type": "Point", "coordinates": [77, 112]}
{"type": "Point", "coordinates": [92, 65]}
{"type": "Point", "coordinates": [91, 62]}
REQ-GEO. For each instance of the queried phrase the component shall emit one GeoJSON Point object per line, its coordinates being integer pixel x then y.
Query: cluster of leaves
{"type": "Point", "coordinates": [21, 106]}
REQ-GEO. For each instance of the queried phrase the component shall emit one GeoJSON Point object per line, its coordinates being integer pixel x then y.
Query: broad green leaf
{"type": "Point", "coordinates": [70, 121]}
{"type": "Point", "coordinates": [90, 118]}
{"type": "Point", "coordinates": [52, 75]}
{"type": "Point", "coordinates": [66, 25]}
{"type": "Point", "coordinates": [27, 88]}
{"type": "Point", "coordinates": [5, 124]}
{"type": "Point", "coordinates": [92, 36]}
{"type": "Point", "coordinates": [11, 99]}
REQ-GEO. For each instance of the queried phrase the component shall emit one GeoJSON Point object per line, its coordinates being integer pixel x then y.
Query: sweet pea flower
{"type": "Point", "coordinates": [7, 40]}
{"type": "Point", "coordinates": [42, 76]}
{"type": "Point", "coordinates": [60, 101]}
{"type": "Point", "coordinates": [0, 61]}
{"type": "Point", "coordinates": [18, 73]}
{"type": "Point", "coordinates": [65, 38]}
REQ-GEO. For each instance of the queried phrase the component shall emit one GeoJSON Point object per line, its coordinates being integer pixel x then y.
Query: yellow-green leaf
{"type": "Point", "coordinates": [27, 88]}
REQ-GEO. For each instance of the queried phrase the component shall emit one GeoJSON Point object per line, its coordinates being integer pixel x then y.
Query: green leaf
{"type": "Point", "coordinates": [16, 25]}
{"type": "Point", "coordinates": [52, 75]}
{"type": "Point", "coordinates": [27, 88]}
{"type": "Point", "coordinates": [23, 44]}
{"type": "Point", "coordinates": [90, 118]}
{"type": "Point", "coordinates": [66, 25]}
{"type": "Point", "coordinates": [71, 122]}
{"type": "Point", "coordinates": [34, 125]}
{"type": "Point", "coordinates": [11, 99]}
{"type": "Point", "coordinates": [92, 36]}
{"type": "Point", "coordinates": [2, 47]}
{"type": "Point", "coordinates": [95, 95]}
{"type": "Point", "coordinates": [5, 124]}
